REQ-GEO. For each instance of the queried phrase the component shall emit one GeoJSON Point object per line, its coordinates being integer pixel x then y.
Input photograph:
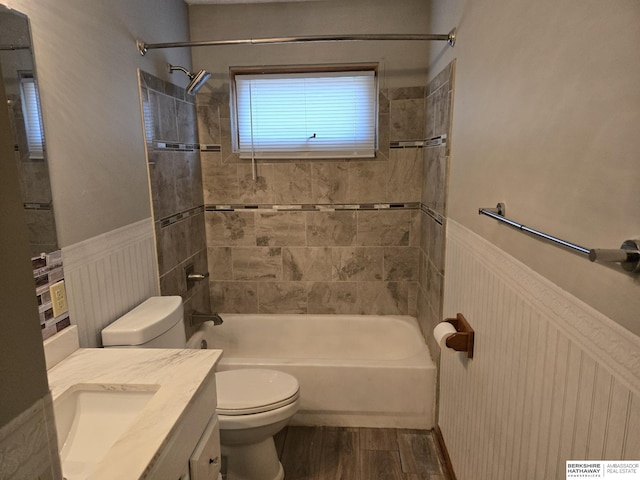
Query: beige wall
{"type": "Point", "coordinates": [86, 61]}
{"type": "Point", "coordinates": [546, 119]}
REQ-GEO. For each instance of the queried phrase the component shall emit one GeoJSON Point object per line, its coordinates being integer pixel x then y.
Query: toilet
{"type": "Point", "coordinates": [252, 404]}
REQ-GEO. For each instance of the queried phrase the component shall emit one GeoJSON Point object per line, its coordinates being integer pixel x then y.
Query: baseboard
{"type": "Point", "coordinates": [451, 475]}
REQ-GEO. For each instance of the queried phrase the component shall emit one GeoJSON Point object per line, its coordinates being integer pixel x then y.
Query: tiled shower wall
{"type": "Point", "coordinates": [439, 98]}
{"type": "Point", "coordinates": [176, 189]}
{"type": "Point", "coordinates": [340, 236]}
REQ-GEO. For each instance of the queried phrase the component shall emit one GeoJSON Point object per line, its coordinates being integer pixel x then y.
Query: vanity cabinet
{"type": "Point", "coordinates": [176, 435]}
{"type": "Point", "coordinates": [204, 463]}
{"type": "Point", "coordinates": [205, 460]}
{"type": "Point", "coordinates": [192, 450]}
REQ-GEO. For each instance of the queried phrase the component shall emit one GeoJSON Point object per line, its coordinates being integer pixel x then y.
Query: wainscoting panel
{"type": "Point", "coordinates": [551, 379]}
{"type": "Point", "coordinates": [108, 275]}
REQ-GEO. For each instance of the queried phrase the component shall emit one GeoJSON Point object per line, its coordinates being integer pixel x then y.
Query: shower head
{"type": "Point", "coordinates": [197, 79]}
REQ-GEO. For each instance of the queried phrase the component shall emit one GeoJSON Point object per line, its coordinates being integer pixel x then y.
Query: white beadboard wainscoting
{"type": "Point", "coordinates": [108, 275]}
{"type": "Point", "coordinates": [551, 379]}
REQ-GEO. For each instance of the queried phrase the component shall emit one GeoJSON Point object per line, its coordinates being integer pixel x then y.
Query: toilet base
{"type": "Point", "coordinates": [257, 461]}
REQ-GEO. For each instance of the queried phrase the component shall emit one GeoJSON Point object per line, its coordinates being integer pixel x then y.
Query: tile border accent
{"type": "Point", "coordinates": [313, 207]}
{"type": "Point", "coordinates": [214, 147]}
{"type": "Point", "coordinates": [175, 218]}
{"type": "Point", "coordinates": [432, 213]}
{"type": "Point", "coordinates": [210, 147]}
{"type": "Point", "coordinates": [175, 147]}
{"type": "Point", "coordinates": [429, 142]}
{"type": "Point", "coordinates": [185, 147]}
{"type": "Point", "coordinates": [37, 206]}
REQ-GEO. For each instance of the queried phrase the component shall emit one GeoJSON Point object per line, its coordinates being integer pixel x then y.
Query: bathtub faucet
{"type": "Point", "coordinates": [198, 318]}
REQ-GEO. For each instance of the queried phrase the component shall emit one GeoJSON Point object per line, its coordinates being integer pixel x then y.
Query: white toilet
{"type": "Point", "coordinates": [253, 404]}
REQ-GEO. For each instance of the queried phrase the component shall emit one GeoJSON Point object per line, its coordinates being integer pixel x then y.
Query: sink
{"type": "Point", "coordinates": [91, 418]}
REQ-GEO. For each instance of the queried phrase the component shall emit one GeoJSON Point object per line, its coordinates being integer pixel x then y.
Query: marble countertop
{"type": "Point", "coordinates": [179, 374]}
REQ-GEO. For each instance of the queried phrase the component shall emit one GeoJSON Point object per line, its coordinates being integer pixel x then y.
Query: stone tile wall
{"type": "Point", "coordinates": [176, 189]}
{"type": "Point", "coordinates": [334, 236]}
{"type": "Point", "coordinates": [439, 98]}
{"type": "Point", "coordinates": [343, 261]}
{"type": "Point", "coordinates": [349, 239]}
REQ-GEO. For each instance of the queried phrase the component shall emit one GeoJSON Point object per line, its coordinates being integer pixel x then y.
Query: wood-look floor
{"type": "Point", "coordinates": [336, 453]}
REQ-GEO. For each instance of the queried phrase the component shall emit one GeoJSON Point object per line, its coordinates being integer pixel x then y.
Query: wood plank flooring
{"type": "Point", "coordinates": [336, 453]}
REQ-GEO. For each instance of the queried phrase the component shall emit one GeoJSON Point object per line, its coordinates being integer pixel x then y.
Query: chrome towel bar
{"type": "Point", "coordinates": [628, 255]}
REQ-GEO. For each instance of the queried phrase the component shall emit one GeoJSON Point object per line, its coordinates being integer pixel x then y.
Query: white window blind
{"type": "Point", "coordinates": [31, 112]}
{"type": "Point", "coordinates": [298, 115]}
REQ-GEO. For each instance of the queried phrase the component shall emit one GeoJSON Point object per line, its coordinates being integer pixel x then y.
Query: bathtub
{"type": "Point", "coordinates": [353, 370]}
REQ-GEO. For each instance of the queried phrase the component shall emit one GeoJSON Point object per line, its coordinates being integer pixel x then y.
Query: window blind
{"type": "Point", "coordinates": [318, 114]}
{"type": "Point", "coordinates": [31, 112]}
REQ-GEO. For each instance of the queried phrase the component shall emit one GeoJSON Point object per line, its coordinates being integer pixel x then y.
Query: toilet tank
{"type": "Point", "coordinates": [155, 323]}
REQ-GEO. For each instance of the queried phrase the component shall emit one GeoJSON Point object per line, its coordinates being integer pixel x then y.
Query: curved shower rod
{"type": "Point", "coordinates": [450, 38]}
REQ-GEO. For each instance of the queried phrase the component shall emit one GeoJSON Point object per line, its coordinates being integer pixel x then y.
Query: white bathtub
{"type": "Point", "coordinates": [353, 370]}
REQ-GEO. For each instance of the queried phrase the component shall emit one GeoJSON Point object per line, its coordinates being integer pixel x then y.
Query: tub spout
{"type": "Point", "coordinates": [198, 318]}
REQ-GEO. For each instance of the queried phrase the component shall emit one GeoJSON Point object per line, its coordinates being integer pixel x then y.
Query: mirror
{"type": "Point", "coordinates": [21, 87]}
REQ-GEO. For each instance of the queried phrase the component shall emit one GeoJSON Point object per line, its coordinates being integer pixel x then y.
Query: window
{"type": "Point", "coordinates": [31, 112]}
{"type": "Point", "coordinates": [305, 114]}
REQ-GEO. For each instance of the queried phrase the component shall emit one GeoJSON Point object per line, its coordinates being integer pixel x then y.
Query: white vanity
{"type": "Point", "coordinates": [162, 422]}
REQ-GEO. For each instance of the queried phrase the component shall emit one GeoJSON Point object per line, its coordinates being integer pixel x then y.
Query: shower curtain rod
{"type": "Point", "coordinates": [450, 38]}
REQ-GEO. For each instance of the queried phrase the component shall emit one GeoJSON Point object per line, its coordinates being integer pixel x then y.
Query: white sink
{"type": "Point", "coordinates": [90, 419]}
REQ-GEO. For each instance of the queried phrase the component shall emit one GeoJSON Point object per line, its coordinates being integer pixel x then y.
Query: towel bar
{"type": "Point", "coordinates": [628, 255]}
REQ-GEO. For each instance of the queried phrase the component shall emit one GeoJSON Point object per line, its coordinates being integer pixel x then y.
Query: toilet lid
{"type": "Point", "coordinates": [246, 391]}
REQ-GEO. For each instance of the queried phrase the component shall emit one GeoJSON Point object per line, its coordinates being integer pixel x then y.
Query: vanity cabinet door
{"type": "Point", "coordinates": [204, 463]}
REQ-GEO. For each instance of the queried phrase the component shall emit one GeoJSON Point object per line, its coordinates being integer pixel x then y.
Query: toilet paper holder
{"type": "Point", "coordinates": [462, 340]}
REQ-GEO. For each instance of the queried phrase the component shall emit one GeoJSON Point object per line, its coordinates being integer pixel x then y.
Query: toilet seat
{"type": "Point", "coordinates": [251, 391]}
